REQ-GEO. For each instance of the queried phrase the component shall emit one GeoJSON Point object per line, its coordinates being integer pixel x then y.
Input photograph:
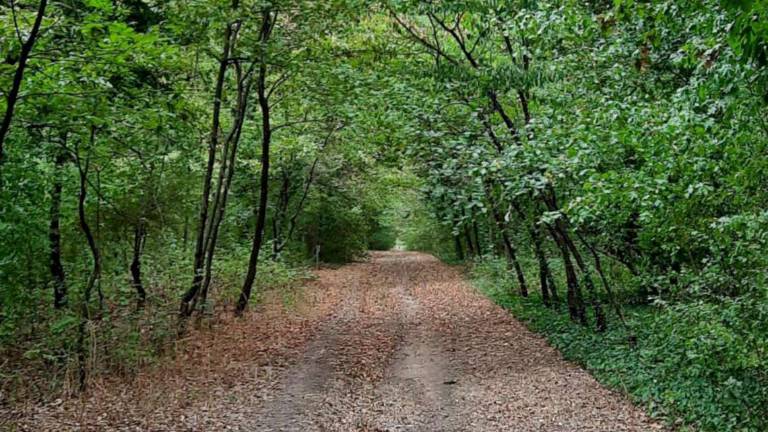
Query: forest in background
{"type": "Point", "coordinates": [599, 165]}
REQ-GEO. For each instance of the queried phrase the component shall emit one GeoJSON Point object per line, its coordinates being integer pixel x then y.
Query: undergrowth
{"type": "Point", "coordinates": [687, 363]}
{"type": "Point", "coordinates": [39, 359]}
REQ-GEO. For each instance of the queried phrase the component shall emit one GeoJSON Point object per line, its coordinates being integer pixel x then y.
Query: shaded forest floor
{"type": "Point", "coordinates": [400, 343]}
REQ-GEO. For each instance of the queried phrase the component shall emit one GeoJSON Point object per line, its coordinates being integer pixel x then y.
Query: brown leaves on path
{"type": "Point", "coordinates": [210, 367]}
{"type": "Point", "coordinates": [400, 343]}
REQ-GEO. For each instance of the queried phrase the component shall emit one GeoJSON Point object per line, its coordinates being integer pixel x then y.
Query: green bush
{"type": "Point", "coordinates": [383, 238]}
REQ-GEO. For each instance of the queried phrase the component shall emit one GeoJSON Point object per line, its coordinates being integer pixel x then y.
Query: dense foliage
{"type": "Point", "coordinates": [159, 159]}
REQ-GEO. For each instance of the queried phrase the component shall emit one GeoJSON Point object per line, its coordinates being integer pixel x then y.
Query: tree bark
{"type": "Point", "coordinates": [562, 228]}
{"type": "Point", "coordinates": [607, 286]}
{"type": "Point", "coordinates": [476, 232]}
{"type": "Point", "coordinates": [459, 249]}
{"type": "Point", "coordinates": [266, 140]}
{"type": "Point", "coordinates": [576, 308]}
{"type": "Point", "coordinates": [509, 247]}
{"type": "Point", "coordinates": [95, 275]}
{"type": "Point", "coordinates": [548, 292]}
{"type": "Point", "coordinates": [189, 298]}
{"type": "Point", "coordinates": [305, 193]}
{"type": "Point", "coordinates": [18, 77]}
{"type": "Point", "coordinates": [54, 236]}
{"type": "Point", "coordinates": [468, 239]}
{"type": "Point", "coordinates": [546, 281]}
{"type": "Point", "coordinates": [283, 200]}
{"type": "Point", "coordinates": [139, 238]}
{"type": "Point", "coordinates": [227, 172]}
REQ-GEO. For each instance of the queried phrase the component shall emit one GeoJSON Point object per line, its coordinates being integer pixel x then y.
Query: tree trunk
{"type": "Point", "coordinates": [548, 293]}
{"type": "Point", "coordinates": [18, 77]}
{"type": "Point", "coordinates": [189, 298]}
{"type": "Point", "coordinates": [468, 240]}
{"type": "Point", "coordinates": [95, 275]}
{"type": "Point", "coordinates": [458, 247]}
{"type": "Point", "coordinates": [562, 229]}
{"type": "Point", "coordinates": [600, 318]}
{"type": "Point", "coordinates": [305, 193]}
{"type": "Point", "coordinates": [467, 234]}
{"type": "Point", "coordinates": [139, 238]}
{"type": "Point", "coordinates": [266, 139]}
{"type": "Point", "coordinates": [509, 247]}
{"type": "Point", "coordinates": [54, 237]}
{"type": "Point", "coordinates": [576, 308]}
{"type": "Point", "coordinates": [599, 268]}
{"type": "Point", "coordinates": [279, 216]}
{"type": "Point", "coordinates": [226, 174]}
{"type": "Point", "coordinates": [475, 231]}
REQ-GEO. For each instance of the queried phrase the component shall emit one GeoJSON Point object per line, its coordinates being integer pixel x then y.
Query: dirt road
{"type": "Point", "coordinates": [400, 343]}
{"type": "Point", "coordinates": [414, 348]}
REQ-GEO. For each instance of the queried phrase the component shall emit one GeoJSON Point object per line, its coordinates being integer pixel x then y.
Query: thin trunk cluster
{"type": "Point", "coordinates": [282, 235]}
{"type": "Point", "coordinates": [559, 231]}
{"type": "Point", "coordinates": [215, 195]}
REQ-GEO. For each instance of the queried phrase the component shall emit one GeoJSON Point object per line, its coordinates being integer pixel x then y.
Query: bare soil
{"type": "Point", "coordinates": [400, 343]}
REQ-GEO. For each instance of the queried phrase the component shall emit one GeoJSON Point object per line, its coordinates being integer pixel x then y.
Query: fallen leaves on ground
{"type": "Point", "coordinates": [400, 343]}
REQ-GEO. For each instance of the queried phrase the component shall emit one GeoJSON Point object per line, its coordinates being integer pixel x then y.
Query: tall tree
{"type": "Point", "coordinates": [12, 96]}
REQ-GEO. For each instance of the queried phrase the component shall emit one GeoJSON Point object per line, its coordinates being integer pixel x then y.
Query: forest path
{"type": "Point", "coordinates": [414, 348]}
{"type": "Point", "coordinates": [398, 343]}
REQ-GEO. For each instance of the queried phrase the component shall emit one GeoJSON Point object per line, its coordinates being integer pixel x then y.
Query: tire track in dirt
{"type": "Point", "coordinates": [419, 378]}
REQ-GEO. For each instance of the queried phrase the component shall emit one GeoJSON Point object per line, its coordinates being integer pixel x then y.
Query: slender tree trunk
{"type": "Point", "coordinates": [546, 281]}
{"type": "Point", "coordinates": [475, 231]}
{"type": "Point", "coordinates": [467, 234]}
{"type": "Point", "coordinates": [600, 318]}
{"type": "Point", "coordinates": [544, 276]}
{"type": "Point", "coordinates": [553, 289]}
{"type": "Point", "coordinates": [185, 234]}
{"type": "Point", "coordinates": [278, 218]}
{"type": "Point", "coordinates": [95, 275]}
{"type": "Point", "coordinates": [576, 308]}
{"type": "Point", "coordinates": [305, 193]}
{"type": "Point", "coordinates": [562, 229]}
{"type": "Point", "coordinates": [266, 140]}
{"type": "Point", "coordinates": [99, 290]}
{"type": "Point", "coordinates": [458, 247]}
{"type": "Point", "coordinates": [493, 234]}
{"type": "Point", "coordinates": [189, 298]}
{"type": "Point", "coordinates": [468, 239]}
{"type": "Point", "coordinates": [512, 252]}
{"type": "Point", "coordinates": [599, 268]}
{"type": "Point", "coordinates": [544, 267]}
{"type": "Point", "coordinates": [229, 158]}
{"type": "Point", "coordinates": [139, 238]}
{"type": "Point", "coordinates": [509, 247]}
{"type": "Point", "coordinates": [54, 236]}
{"type": "Point", "coordinates": [18, 78]}
{"type": "Point", "coordinates": [499, 220]}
